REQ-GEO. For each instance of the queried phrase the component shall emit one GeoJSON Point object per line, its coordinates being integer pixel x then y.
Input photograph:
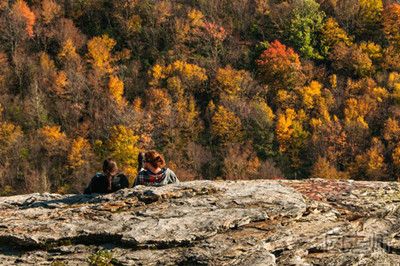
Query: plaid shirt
{"type": "Point", "coordinates": [148, 178]}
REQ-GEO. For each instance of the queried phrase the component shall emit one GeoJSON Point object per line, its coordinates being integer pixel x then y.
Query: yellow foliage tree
{"type": "Point", "coordinates": [396, 156]}
{"type": "Point", "coordinates": [190, 72]}
{"type": "Point", "coordinates": [376, 165]}
{"type": "Point", "coordinates": [323, 169]}
{"type": "Point", "coordinates": [284, 128]}
{"type": "Point", "coordinates": [230, 80]}
{"type": "Point", "coordinates": [79, 152]}
{"type": "Point", "coordinates": [355, 111]}
{"type": "Point", "coordinates": [9, 135]}
{"type": "Point", "coordinates": [189, 75]}
{"type": "Point", "coordinates": [371, 12]}
{"type": "Point", "coordinates": [291, 135]}
{"type": "Point", "coordinates": [288, 126]}
{"type": "Point", "coordinates": [286, 99]}
{"type": "Point", "coordinates": [61, 82]}
{"type": "Point", "coordinates": [175, 87]}
{"type": "Point", "coordinates": [333, 34]}
{"type": "Point", "coordinates": [391, 132]}
{"type": "Point", "coordinates": [53, 134]}
{"type": "Point", "coordinates": [373, 50]}
{"type": "Point", "coordinates": [371, 163]}
{"type": "Point", "coordinates": [196, 18]}
{"type": "Point", "coordinates": [187, 121]}
{"type": "Point", "coordinates": [123, 147]}
{"type": "Point", "coordinates": [100, 53]}
{"type": "Point", "coordinates": [53, 139]}
{"type": "Point", "coordinates": [393, 78]}
{"type": "Point", "coordinates": [394, 83]}
{"type": "Point", "coordinates": [68, 51]}
{"type": "Point", "coordinates": [311, 93]}
{"type": "Point", "coordinates": [116, 88]}
{"type": "Point", "coordinates": [396, 160]}
{"type": "Point", "coordinates": [226, 126]}
{"type": "Point", "coordinates": [316, 101]}
{"type": "Point", "coordinates": [365, 102]}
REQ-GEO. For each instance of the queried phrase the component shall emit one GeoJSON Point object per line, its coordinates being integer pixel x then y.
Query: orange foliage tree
{"type": "Point", "coordinates": [21, 11]}
{"type": "Point", "coordinates": [279, 65]}
{"type": "Point", "coordinates": [391, 23]}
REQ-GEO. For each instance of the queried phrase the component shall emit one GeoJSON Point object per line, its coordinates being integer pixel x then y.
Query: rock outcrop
{"type": "Point", "coordinates": [260, 222]}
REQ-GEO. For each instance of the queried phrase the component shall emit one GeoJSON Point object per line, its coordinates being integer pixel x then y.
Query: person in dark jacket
{"type": "Point", "coordinates": [154, 172]}
{"type": "Point", "coordinates": [109, 181]}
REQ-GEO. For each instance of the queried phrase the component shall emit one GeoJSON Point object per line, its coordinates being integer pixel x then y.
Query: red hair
{"type": "Point", "coordinates": [155, 159]}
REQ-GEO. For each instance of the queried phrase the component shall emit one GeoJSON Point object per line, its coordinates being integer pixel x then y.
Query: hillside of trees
{"type": "Point", "coordinates": [225, 89]}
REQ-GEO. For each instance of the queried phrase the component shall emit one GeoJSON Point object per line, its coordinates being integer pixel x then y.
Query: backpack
{"type": "Point", "coordinates": [119, 181]}
{"type": "Point", "coordinates": [99, 184]}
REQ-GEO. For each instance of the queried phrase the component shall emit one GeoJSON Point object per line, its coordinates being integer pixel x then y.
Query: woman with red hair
{"type": "Point", "coordinates": [154, 172]}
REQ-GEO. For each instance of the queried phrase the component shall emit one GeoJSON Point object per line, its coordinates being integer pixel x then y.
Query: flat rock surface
{"type": "Point", "coordinates": [259, 222]}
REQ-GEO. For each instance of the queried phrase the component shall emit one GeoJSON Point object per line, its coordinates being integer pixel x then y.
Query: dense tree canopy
{"type": "Point", "coordinates": [225, 89]}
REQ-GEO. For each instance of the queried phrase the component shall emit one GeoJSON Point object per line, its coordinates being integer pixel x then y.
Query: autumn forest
{"type": "Point", "coordinates": [242, 89]}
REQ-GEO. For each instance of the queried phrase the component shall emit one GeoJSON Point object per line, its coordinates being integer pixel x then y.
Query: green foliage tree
{"type": "Point", "coordinates": [305, 27]}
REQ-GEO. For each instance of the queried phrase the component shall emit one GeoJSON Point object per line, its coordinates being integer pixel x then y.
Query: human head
{"type": "Point", "coordinates": [110, 167]}
{"type": "Point", "coordinates": [154, 159]}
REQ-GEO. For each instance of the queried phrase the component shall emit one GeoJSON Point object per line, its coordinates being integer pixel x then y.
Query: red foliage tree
{"type": "Point", "coordinates": [280, 64]}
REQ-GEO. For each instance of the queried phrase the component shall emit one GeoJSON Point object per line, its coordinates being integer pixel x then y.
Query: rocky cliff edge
{"type": "Point", "coordinates": [260, 222]}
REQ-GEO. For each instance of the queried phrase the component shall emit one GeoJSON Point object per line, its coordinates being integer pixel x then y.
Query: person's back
{"type": "Point", "coordinates": [108, 181]}
{"type": "Point", "coordinates": [98, 184]}
{"type": "Point", "coordinates": [154, 172]}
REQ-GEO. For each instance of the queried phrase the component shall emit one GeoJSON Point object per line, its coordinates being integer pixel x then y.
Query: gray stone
{"type": "Point", "coordinates": [259, 222]}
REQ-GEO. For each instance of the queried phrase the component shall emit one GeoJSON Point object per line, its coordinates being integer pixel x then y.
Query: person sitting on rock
{"type": "Point", "coordinates": [109, 181]}
{"type": "Point", "coordinates": [154, 172]}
